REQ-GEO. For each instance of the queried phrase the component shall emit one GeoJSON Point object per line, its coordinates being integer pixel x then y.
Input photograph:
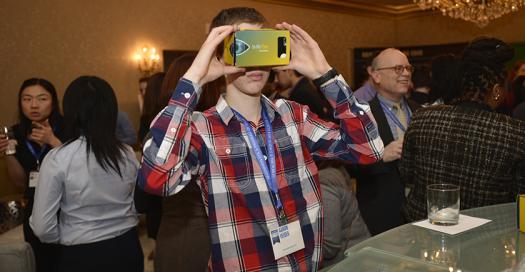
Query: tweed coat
{"type": "Point", "coordinates": [480, 150]}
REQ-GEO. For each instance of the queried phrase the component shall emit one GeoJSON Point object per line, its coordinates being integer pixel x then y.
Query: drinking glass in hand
{"type": "Point", "coordinates": [443, 204]}
{"type": "Point", "coordinates": [7, 133]}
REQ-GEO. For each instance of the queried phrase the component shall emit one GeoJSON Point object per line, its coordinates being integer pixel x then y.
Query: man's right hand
{"type": "Point", "coordinates": [206, 67]}
{"type": "Point", "coordinates": [393, 150]}
{"type": "Point", "coordinates": [307, 59]}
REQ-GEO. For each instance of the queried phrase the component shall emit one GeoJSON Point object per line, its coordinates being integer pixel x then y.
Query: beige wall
{"type": "Point", "coordinates": [60, 40]}
{"type": "Point", "coordinates": [63, 39]}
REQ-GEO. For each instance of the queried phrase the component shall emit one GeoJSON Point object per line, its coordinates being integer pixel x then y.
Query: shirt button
{"type": "Point", "coordinates": [173, 130]}
{"type": "Point", "coordinates": [187, 95]}
{"type": "Point", "coordinates": [265, 158]}
{"type": "Point", "coordinates": [361, 112]}
{"type": "Point", "coordinates": [228, 151]}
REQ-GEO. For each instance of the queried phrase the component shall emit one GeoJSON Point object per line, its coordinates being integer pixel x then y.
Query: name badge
{"type": "Point", "coordinates": [33, 179]}
{"type": "Point", "coordinates": [286, 239]}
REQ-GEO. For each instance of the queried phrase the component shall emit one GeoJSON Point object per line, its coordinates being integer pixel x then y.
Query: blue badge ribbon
{"type": "Point", "coordinates": [270, 174]}
{"type": "Point", "coordinates": [33, 152]}
{"type": "Point", "coordinates": [393, 117]}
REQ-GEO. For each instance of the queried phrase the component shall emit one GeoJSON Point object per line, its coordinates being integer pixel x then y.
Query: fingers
{"type": "Point", "coordinates": [216, 31]}
{"type": "Point", "coordinates": [37, 125]}
{"type": "Point", "coordinates": [36, 134]}
{"type": "Point", "coordinates": [218, 34]}
{"type": "Point", "coordinates": [296, 33]}
{"type": "Point", "coordinates": [393, 151]}
{"type": "Point", "coordinates": [301, 34]}
{"type": "Point", "coordinates": [33, 137]}
{"type": "Point", "coordinates": [3, 146]}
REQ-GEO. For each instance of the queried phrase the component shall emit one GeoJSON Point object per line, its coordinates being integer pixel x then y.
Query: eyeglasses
{"type": "Point", "coordinates": [398, 69]}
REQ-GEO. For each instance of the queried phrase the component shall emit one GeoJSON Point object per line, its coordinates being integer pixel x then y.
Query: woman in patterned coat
{"type": "Point", "coordinates": [467, 143]}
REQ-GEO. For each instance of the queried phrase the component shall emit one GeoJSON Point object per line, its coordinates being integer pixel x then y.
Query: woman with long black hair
{"type": "Point", "coordinates": [89, 181]}
{"type": "Point", "coordinates": [39, 129]}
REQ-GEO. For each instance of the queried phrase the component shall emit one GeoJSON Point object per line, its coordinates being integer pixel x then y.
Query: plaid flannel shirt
{"type": "Point", "coordinates": [213, 149]}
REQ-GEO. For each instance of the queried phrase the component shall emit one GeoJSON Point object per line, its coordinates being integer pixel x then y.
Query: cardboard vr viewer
{"type": "Point", "coordinates": [260, 47]}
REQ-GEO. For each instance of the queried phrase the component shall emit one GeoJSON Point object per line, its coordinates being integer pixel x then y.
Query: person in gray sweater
{"type": "Point", "coordinates": [343, 225]}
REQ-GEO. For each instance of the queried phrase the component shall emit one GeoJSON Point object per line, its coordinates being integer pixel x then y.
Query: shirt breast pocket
{"type": "Point", "coordinates": [233, 162]}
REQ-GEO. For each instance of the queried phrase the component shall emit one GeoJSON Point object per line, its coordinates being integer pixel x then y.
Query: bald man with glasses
{"type": "Point", "coordinates": [380, 191]}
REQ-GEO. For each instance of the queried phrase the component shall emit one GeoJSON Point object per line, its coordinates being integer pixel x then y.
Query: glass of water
{"type": "Point", "coordinates": [443, 204]}
{"type": "Point", "coordinates": [7, 132]}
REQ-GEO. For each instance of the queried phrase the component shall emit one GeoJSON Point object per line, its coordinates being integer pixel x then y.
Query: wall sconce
{"type": "Point", "coordinates": [147, 60]}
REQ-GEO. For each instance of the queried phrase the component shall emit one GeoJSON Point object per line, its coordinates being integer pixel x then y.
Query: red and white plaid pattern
{"type": "Point", "coordinates": [213, 148]}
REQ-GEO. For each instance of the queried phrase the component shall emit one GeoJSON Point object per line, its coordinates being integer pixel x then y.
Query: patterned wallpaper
{"type": "Point", "coordinates": [63, 39]}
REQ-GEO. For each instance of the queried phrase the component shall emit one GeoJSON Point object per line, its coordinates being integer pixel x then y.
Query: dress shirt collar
{"type": "Point", "coordinates": [226, 112]}
{"type": "Point", "coordinates": [389, 103]}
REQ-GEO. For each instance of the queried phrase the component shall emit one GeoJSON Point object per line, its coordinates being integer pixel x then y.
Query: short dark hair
{"type": "Point", "coordinates": [237, 15]}
{"type": "Point", "coordinates": [55, 116]}
{"type": "Point", "coordinates": [90, 110]}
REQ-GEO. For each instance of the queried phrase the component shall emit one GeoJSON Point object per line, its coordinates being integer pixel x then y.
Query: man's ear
{"type": "Point", "coordinates": [369, 70]}
{"type": "Point", "coordinates": [376, 76]}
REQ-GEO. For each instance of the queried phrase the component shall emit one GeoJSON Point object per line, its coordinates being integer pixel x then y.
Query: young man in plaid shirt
{"type": "Point", "coordinates": [254, 159]}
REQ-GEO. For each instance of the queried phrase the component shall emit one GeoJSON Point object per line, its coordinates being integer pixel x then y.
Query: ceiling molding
{"type": "Point", "coordinates": [355, 7]}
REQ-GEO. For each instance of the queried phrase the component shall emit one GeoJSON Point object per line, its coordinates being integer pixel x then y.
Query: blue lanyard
{"type": "Point", "coordinates": [393, 117]}
{"type": "Point", "coordinates": [32, 150]}
{"type": "Point", "coordinates": [270, 175]}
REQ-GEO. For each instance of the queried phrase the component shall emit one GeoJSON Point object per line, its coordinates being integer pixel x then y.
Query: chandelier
{"type": "Point", "coordinates": [479, 12]}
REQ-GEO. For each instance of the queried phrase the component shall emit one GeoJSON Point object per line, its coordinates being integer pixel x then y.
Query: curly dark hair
{"type": "Point", "coordinates": [482, 66]}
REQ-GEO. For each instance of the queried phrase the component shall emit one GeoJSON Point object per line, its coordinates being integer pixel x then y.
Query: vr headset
{"type": "Point", "coordinates": [260, 47]}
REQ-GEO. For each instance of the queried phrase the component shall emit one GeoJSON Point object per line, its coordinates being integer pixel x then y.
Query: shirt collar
{"type": "Point", "coordinates": [390, 104]}
{"type": "Point", "coordinates": [226, 112]}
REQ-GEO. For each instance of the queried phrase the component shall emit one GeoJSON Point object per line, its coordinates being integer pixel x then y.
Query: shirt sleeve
{"type": "Point", "coordinates": [356, 137]}
{"type": "Point", "coordinates": [48, 193]}
{"type": "Point", "coordinates": [170, 156]}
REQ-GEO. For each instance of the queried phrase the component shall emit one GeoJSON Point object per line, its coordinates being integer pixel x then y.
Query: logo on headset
{"type": "Point", "coordinates": [239, 47]}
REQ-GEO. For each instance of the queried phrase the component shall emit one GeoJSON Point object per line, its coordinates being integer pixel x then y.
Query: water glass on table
{"type": "Point", "coordinates": [7, 133]}
{"type": "Point", "coordinates": [443, 204]}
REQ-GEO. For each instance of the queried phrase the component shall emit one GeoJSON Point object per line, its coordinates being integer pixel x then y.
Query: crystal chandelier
{"type": "Point", "coordinates": [476, 11]}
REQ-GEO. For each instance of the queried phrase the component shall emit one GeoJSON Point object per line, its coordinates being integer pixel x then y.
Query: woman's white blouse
{"type": "Point", "coordinates": [78, 202]}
